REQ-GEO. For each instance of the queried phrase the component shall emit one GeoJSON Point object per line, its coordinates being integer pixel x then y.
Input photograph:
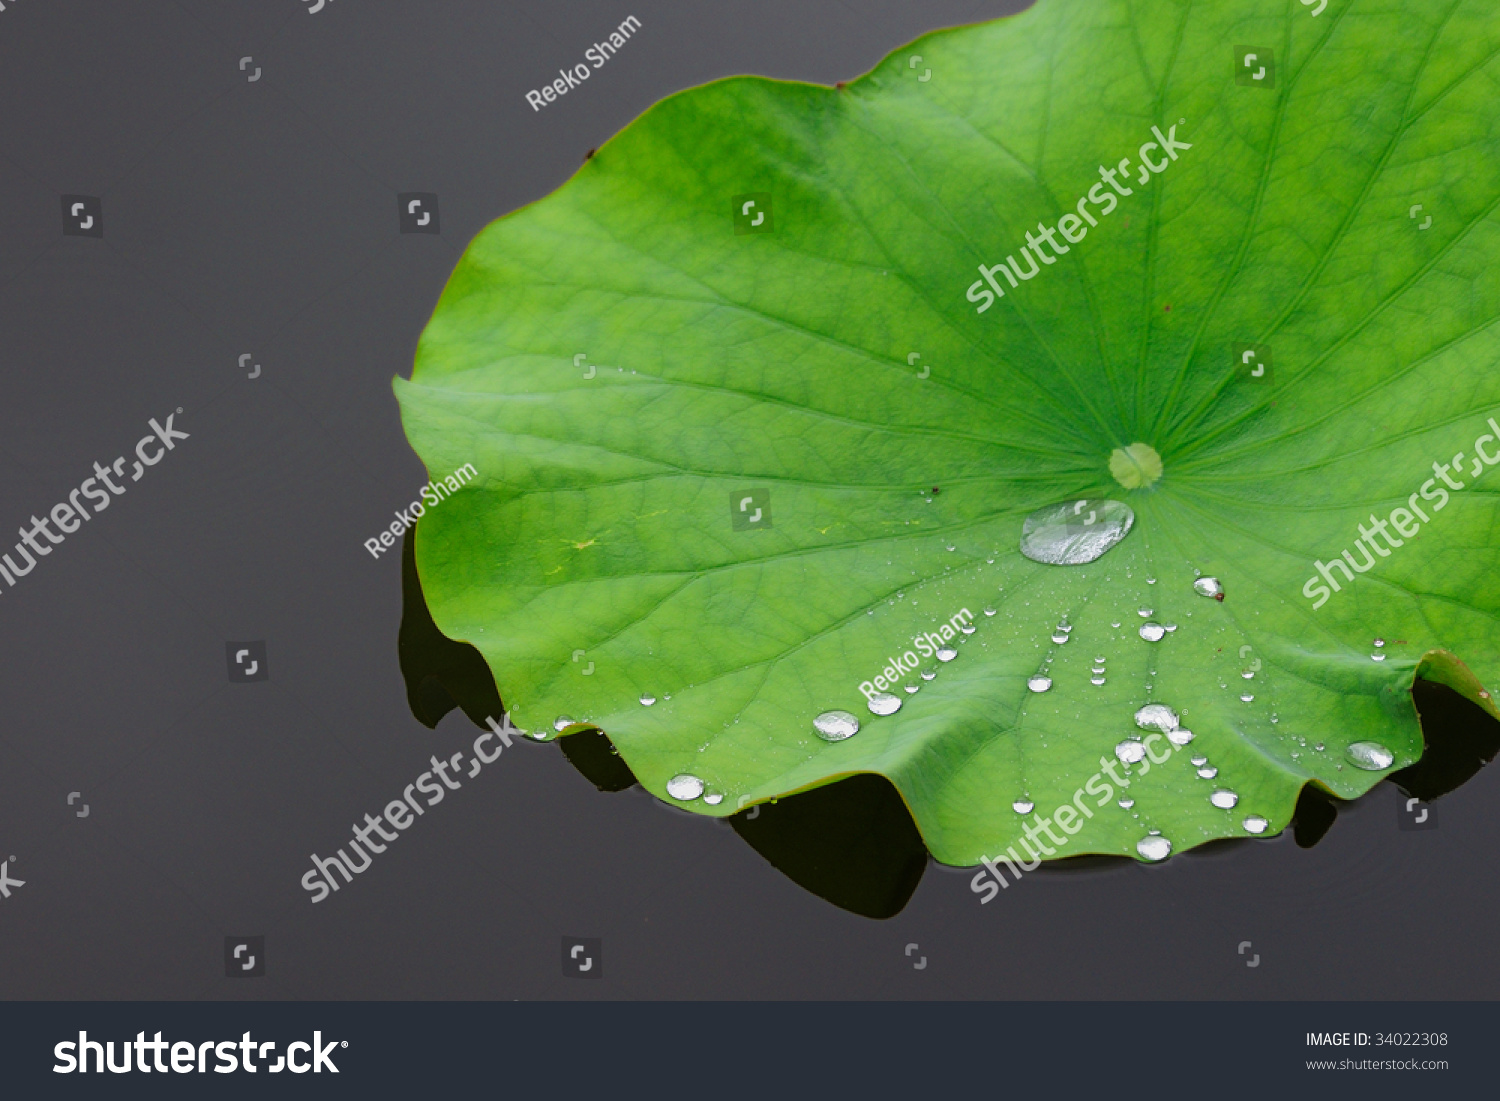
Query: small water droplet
{"type": "Point", "coordinates": [928, 674]}
{"type": "Point", "coordinates": [1370, 756]}
{"type": "Point", "coordinates": [1116, 623]}
{"type": "Point", "coordinates": [1379, 642]}
{"type": "Point", "coordinates": [1170, 627]}
{"type": "Point", "coordinates": [1224, 800]}
{"type": "Point", "coordinates": [1319, 747]}
{"type": "Point", "coordinates": [1151, 581]}
{"type": "Point", "coordinates": [1023, 806]}
{"type": "Point", "coordinates": [947, 653]}
{"type": "Point", "coordinates": [647, 700]}
{"type": "Point", "coordinates": [1208, 772]}
{"type": "Point", "coordinates": [1130, 751]}
{"type": "Point", "coordinates": [1059, 638]}
{"type": "Point", "coordinates": [1154, 848]}
{"type": "Point", "coordinates": [1208, 586]}
{"type": "Point", "coordinates": [835, 726]}
{"type": "Point", "coordinates": [1153, 632]}
{"type": "Point", "coordinates": [1156, 716]}
{"type": "Point", "coordinates": [1198, 760]}
{"type": "Point", "coordinates": [967, 629]}
{"type": "Point", "coordinates": [1247, 698]}
{"type": "Point", "coordinates": [883, 703]}
{"type": "Point", "coordinates": [1255, 824]}
{"type": "Point", "coordinates": [1179, 736]}
{"type": "Point", "coordinates": [1039, 683]}
{"type": "Point", "coordinates": [1096, 680]}
{"type": "Point", "coordinates": [911, 689]}
{"type": "Point", "coordinates": [685, 787]}
{"type": "Point", "coordinates": [989, 611]}
{"type": "Point", "coordinates": [1075, 532]}
{"type": "Point", "coordinates": [715, 799]}
{"type": "Point", "coordinates": [1127, 803]}
{"type": "Point", "coordinates": [1144, 613]}
{"type": "Point", "coordinates": [561, 723]}
{"type": "Point", "coordinates": [1377, 657]}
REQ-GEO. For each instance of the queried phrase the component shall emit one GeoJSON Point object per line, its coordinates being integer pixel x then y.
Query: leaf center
{"type": "Point", "coordinates": [1135, 467]}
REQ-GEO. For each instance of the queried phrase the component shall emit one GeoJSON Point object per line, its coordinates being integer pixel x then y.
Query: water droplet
{"type": "Point", "coordinates": [685, 787]}
{"type": "Point", "coordinates": [1099, 661]}
{"type": "Point", "coordinates": [1075, 532]}
{"type": "Point", "coordinates": [1208, 586]}
{"type": "Point", "coordinates": [1207, 773]}
{"type": "Point", "coordinates": [1319, 747]}
{"type": "Point", "coordinates": [1247, 698]}
{"type": "Point", "coordinates": [715, 799]}
{"type": "Point", "coordinates": [1156, 716]}
{"type": "Point", "coordinates": [1023, 806]}
{"type": "Point", "coordinates": [911, 689]}
{"type": "Point", "coordinates": [1130, 751]}
{"type": "Point", "coordinates": [952, 547]}
{"type": "Point", "coordinates": [989, 611]}
{"type": "Point", "coordinates": [647, 700]}
{"type": "Point", "coordinates": [1059, 638]}
{"type": "Point", "coordinates": [1151, 581]}
{"type": "Point", "coordinates": [1198, 760]}
{"type": "Point", "coordinates": [1179, 736]}
{"type": "Point", "coordinates": [1255, 824]}
{"type": "Point", "coordinates": [1224, 800]}
{"type": "Point", "coordinates": [1116, 623]}
{"type": "Point", "coordinates": [967, 629]}
{"type": "Point", "coordinates": [562, 722]}
{"type": "Point", "coordinates": [1370, 756]}
{"type": "Point", "coordinates": [835, 726]}
{"type": "Point", "coordinates": [1039, 683]}
{"type": "Point", "coordinates": [1377, 657]}
{"type": "Point", "coordinates": [1153, 632]}
{"type": "Point", "coordinates": [1170, 627]}
{"type": "Point", "coordinates": [1144, 613]}
{"type": "Point", "coordinates": [1097, 681]}
{"type": "Point", "coordinates": [928, 674]}
{"type": "Point", "coordinates": [883, 703]}
{"type": "Point", "coordinates": [1127, 803]}
{"type": "Point", "coordinates": [947, 653]}
{"type": "Point", "coordinates": [1379, 642]}
{"type": "Point", "coordinates": [1154, 848]}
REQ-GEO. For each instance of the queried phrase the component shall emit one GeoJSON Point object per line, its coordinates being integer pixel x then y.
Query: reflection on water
{"type": "Point", "coordinates": [853, 843]}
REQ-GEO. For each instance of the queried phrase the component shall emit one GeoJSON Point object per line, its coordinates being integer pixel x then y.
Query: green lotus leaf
{"type": "Point", "coordinates": [759, 418]}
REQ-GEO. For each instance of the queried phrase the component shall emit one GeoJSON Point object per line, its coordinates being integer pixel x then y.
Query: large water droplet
{"type": "Point", "coordinates": [1075, 532]}
{"type": "Point", "coordinates": [1130, 751]}
{"type": "Point", "coordinates": [1156, 716]}
{"type": "Point", "coordinates": [1039, 683]}
{"type": "Point", "coordinates": [1023, 806]}
{"type": "Point", "coordinates": [685, 786]}
{"type": "Point", "coordinates": [1154, 848]}
{"type": "Point", "coordinates": [835, 726]}
{"type": "Point", "coordinates": [883, 703]}
{"type": "Point", "coordinates": [1153, 632]}
{"type": "Point", "coordinates": [1370, 756]}
{"type": "Point", "coordinates": [1208, 586]}
{"type": "Point", "coordinates": [1224, 800]}
{"type": "Point", "coordinates": [1255, 824]}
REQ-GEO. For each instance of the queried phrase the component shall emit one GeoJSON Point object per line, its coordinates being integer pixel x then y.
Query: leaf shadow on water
{"type": "Point", "coordinates": [853, 843]}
